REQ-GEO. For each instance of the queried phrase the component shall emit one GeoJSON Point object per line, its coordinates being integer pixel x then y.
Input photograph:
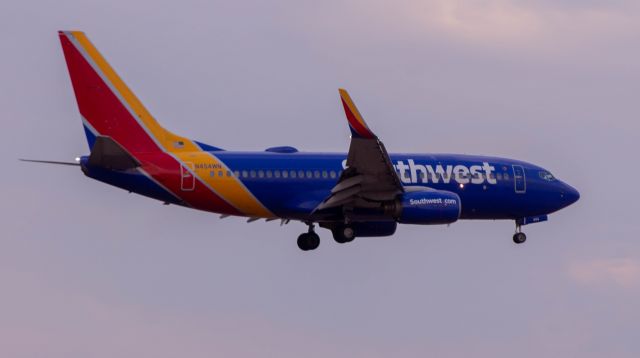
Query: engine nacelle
{"type": "Point", "coordinates": [374, 228]}
{"type": "Point", "coordinates": [428, 207]}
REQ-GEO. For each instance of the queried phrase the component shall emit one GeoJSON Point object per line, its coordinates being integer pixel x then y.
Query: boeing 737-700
{"type": "Point", "coordinates": [365, 192]}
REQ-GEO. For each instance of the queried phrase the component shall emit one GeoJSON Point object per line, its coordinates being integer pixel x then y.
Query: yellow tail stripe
{"type": "Point", "coordinates": [132, 101]}
{"type": "Point", "coordinates": [229, 188]}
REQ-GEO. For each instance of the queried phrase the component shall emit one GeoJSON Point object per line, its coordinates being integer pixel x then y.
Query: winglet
{"type": "Point", "coordinates": [359, 128]}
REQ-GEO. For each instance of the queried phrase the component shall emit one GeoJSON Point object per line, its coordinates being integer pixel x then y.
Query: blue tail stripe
{"type": "Point", "coordinates": [91, 138]}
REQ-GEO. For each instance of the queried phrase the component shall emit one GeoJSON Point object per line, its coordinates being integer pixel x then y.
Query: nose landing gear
{"type": "Point", "coordinates": [519, 237]}
{"type": "Point", "coordinates": [309, 240]}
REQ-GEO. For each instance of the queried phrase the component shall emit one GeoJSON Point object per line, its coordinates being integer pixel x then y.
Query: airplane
{"type": "Point", "coordinates": [365, 192]}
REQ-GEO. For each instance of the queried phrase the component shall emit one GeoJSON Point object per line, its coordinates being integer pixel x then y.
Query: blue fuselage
{"type": "Point", "coordinates": [292, 185]}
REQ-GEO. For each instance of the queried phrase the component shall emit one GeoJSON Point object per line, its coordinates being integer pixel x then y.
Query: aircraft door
{"type": "Point", "coordinates": [519, 178]}
{"type": "Point", "coordinates": [187, 179]}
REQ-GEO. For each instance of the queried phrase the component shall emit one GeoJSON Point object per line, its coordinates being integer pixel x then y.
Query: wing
{"type": "Point", "coordinates": [369, 178]}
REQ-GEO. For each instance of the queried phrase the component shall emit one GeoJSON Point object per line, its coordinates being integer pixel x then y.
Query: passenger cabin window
{"type": "Point", "coordinates": [284, 174]}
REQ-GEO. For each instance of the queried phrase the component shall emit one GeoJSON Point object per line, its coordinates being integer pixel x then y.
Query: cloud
{"type": "Point", "coordinates": [521, 23]}
{"type": "Point", "coordinates": [624, 272]}
{"type": "Point", "coordinates": [490, 19]}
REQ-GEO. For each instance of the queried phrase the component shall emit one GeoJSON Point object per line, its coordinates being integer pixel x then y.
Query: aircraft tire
{"type": "Point", "coordinates": [519, 237]}
{"type": "Point", "coordinates": [308, 241]}
{"type": "Point", "coordinates": [344, 234]}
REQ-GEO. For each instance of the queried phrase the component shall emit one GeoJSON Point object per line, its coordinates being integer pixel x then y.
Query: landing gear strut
{"type": "Point", "coordinates": [519, 237]}
{"type": "Point", "coordinates": [309, 240]}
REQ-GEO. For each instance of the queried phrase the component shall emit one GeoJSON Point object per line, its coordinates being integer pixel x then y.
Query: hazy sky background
{"type": "Point", "coordinates": [88, 270]}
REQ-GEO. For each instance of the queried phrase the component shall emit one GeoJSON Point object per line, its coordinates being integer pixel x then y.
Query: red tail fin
{"type": "Point", "coordinates": [108, 107]}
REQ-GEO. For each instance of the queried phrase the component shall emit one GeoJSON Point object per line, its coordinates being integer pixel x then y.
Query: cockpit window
{"type": "Point", "coordinates": [546, 176]}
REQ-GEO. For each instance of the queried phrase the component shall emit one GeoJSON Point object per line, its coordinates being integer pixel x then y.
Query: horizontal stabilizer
{"type": "Point", "coordinates": [75, 164]}
{"type": "Point", "coordinates": [107, 153]}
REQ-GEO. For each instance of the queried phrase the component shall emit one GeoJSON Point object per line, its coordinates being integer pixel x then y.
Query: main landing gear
{"type": "Point", "coordinates": [519, 237]}
{"type": "Point", "coordinates": [309, 240]}
{"type": "Point", "coordinates": [343, 234]}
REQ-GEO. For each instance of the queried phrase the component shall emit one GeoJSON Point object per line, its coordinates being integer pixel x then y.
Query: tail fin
{"type": "Point", "coordinates": [108, 107]}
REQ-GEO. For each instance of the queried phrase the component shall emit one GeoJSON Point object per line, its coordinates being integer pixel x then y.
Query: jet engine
{"type": "Point", "coordinates": [428, 207]}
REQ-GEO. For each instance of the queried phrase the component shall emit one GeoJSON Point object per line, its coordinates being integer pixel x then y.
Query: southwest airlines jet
{"type": "Point", "coordinates": [363, 193]}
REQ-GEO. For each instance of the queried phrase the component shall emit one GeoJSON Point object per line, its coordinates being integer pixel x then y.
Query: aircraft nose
{"type": "Point", "coordinates": [569, 194]}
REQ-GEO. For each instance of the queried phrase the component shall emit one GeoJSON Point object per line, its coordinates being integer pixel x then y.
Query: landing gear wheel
{"type": "Point", "coordinates": [308, 241]}
{"type": "Point", "coordinates": [343, 234]}
{"type": "Point", "coordinates": [519, 237]}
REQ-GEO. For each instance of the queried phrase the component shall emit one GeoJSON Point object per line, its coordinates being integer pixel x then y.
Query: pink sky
{"type": "Point", "coordinates": [88, 270]}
